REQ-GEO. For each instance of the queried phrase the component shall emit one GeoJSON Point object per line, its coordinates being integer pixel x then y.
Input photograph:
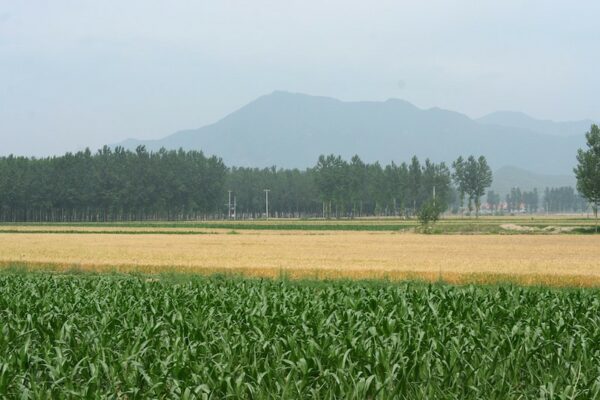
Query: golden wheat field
{"type": "Point", "coordinates": [530, 259]}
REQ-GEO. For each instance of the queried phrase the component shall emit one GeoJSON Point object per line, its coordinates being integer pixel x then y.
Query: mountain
{"type": "Point", "coordinates": [508, 177]}
{"type": "Point", "coordinates": [512, 119]}
{"type": "Point", "coordinates": [292, 130]}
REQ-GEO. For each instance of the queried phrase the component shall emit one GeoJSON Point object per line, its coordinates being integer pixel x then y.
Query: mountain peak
{"type": "Point", "coordinates": [402, 103]}
{"type": "Point", "coordinates": [295, 95]}
{"type": "Point", "coordinates": [292, 129]}
{"type": "Point", "coordinates": [285, 93]}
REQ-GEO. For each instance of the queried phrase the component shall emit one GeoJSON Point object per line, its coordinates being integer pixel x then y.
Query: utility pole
{"type": "Point", "coordinates": [234, 207]}
{"type": "Point", "coordinates": [267, 201]}
{"type": "Point", "coordinates": [229, 205]}
{"type": "Point", "coordinates": [434, 195]}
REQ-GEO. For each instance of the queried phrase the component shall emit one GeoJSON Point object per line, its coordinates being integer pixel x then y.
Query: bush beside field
{"type": "Point", "coordinates": [191, 337]}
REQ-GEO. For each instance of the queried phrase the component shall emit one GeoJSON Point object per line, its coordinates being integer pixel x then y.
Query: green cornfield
{"type": "Point", "coordinates": [128, 336]}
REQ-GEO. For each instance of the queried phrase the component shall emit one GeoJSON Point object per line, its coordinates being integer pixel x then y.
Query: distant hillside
{"type": "Point", "coordinates": [520, 120]}
{"type": "Point", "coordinates": [291, 130]}
{"type": "Point", "coordinates": [506, 178]}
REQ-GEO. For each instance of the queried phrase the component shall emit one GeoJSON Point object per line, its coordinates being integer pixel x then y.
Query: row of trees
{"type": "Point", "coordinates": [555, 200]}
{"type": "Point", "coordinates": [139, 185]}
{"type": "Point", "coordinates": [292, 192]}
{"type": "Point", "coordinates": [563, 199]}
{"type": "Point", "coordinates": [339, 188]}
{"type": "Point", "coordinates": [113, 185]}
{"type": "Point", "coordinates": [336, 187]}
{"type": "Point", "coordinates": [355, 188]}
{"type": "Point", "coordinates": [529, 199]}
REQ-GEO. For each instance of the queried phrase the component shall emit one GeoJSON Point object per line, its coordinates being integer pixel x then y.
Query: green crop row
{"type": "Point", "coordinates": [445, 226]}
{"type": "Point", "coordinates": [125, 336]}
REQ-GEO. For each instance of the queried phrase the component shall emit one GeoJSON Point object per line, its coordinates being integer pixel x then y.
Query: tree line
{"type": "Point", "coordinates": [530, 200]}
{"type": "Point", "coordinates": [123, 185]}
{"type": "Point", "coordinates": [111, 185]}
{"type": "Point", "coordinates": [120, 185]}
{"type": "Point", "coordinates": [587, 173]}
{"type": "Point", "coordinates": [356, 188]}
{"type": "Point", "coordinates": [562, 199]}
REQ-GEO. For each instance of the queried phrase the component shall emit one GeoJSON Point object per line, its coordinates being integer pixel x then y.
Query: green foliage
{"type": "Point", "coordinates": [563, 199]}
{"type": "Point", "coordinates": [531, 200]}
{"type": "Point", "coordinates": [357, 189]}
{"type": "Point", "coordinates": [587, 171]}
{"type": "Point", "coordinates": [292, 192]}
{"type": "Point", "coordinates": [493, 199]}
{"type": "Point", "coordinates": [110, 185]}
{"type": "Point", "coordinates": [517, 199]}
{"type": "Point", "coordinates": [121, 185]}
{"type": "Point", "coordinates": [473, 177]}
{"type": "Point", "coordinates": [488, 225]}
{"type": "Point", "coordinates": [184, 337]}
{"type": "Point", "coordinates": [429, 213]}
{"type": "Point", "coordinates": [331, 177]}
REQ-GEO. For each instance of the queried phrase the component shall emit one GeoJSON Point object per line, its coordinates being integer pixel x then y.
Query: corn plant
{"type": "Point", "coordinates": [124, 336]}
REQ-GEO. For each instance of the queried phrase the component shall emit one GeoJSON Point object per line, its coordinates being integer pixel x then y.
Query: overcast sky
{"type": "Point", "coordinates": [84, 73]}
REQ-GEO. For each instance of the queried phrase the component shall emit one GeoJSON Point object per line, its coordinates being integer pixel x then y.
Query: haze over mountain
{"type": "Point", "coordinates": [513, 119]}
{"type": "Point", "coordinates": [508, 177]}
{"type": "Point", "coordinates": [79, 74]}
{"type": "Point", "coordinates": [292, 130]}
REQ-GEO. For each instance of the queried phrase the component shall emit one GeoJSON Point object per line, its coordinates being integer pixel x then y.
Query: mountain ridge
{"type": "Point", "coordinates": [517, 119]}
{"type": "Point", "coordinates": [507, 177]}
{"type": "Point", "coordinates": [292, 129]}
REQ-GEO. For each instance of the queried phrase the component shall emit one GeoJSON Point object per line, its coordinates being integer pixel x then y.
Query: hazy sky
{"type": "Point", "coordinates": [84, 73]}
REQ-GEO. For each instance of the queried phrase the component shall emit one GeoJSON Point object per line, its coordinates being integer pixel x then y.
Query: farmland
{"type": "Point", "coordinates": [275, 200]}
{"type": "Point", "coordinates": [540, 257]}
{"type": "Point", "coordinates": [301, 309]}
{"type": "Point", "coordinates": [192, 337]}
{"type": "Point", "coordinates": [576, 223]}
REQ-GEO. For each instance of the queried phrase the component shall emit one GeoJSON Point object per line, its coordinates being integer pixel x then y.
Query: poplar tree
{"type": "Point", "coordinates": [587, 171]}
{"type": "Point", "coordinates": [472, 177]}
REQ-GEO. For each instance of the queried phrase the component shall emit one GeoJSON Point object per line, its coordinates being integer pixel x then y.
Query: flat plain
{"type": "Point", "coordinates": [576, 223]}
{"type": "Point", "coordinates": [193, 320]}
{"type": "Point", "coordinates": [551, 259]}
